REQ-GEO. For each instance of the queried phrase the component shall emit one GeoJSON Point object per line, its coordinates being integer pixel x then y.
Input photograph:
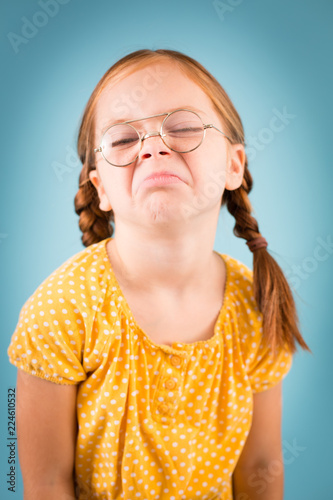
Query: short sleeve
{"type": "Point", "coordinates": [49, 336]}
{"type": "Point", "coordinates": [266, 368]}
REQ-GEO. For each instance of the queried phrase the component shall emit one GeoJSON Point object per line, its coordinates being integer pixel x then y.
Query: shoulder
{"type": "Point", "coordinates": [264, 367]}
{"type": "Point", "coordinates": [244, 316]}
{"type": "Point", "coordinates": [81, 276]}
{"type": "Point", "coordinates": [57, 319]}
{"type": "Point", "coordinates": [239, 288]}
{"type": "Point", "coordinates": [241, 275]}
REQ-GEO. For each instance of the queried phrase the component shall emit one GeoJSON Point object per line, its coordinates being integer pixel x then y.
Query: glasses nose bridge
{"type": "Point", "coordinates": [151, 134]}
{"type": "Point", "coordinates": [156, 122]}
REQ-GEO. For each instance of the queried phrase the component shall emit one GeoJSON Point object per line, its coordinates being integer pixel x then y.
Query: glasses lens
{"type": "Point", "coordinates": [121, 144]}
{"type": "Point", "coordinates": [183, 131]}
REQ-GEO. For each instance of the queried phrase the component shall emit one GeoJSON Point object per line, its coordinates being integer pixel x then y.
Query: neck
{"type": "Point", "coordinates": [171, 260]}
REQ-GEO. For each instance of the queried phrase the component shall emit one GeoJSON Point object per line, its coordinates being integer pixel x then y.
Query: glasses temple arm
{"type": "Point", "coordinates": [210, 125]}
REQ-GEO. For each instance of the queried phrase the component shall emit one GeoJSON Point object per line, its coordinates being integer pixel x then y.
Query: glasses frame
{"type": "Point", "coordinates": [156, 134]}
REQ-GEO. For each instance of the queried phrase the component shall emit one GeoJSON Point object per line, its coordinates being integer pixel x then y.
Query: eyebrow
{"type": "Point", "coordinates": [129, 120]}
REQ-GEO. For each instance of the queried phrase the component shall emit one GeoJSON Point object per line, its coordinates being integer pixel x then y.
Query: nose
{"type": "Point", "coordinates": [154, 147]}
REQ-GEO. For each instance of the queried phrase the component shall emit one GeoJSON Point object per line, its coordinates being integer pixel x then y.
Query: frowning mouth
{"type": "Point", "coordinates": [162, 178]}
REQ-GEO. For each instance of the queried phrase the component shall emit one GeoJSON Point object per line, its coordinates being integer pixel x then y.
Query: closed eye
{"type": "Point", "coordinates": [185, 129]}
{"type": "Point", "coordinates": [123, 142]}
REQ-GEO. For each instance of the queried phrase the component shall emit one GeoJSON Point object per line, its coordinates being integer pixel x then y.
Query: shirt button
{"type": "Point", "coordinates": [176, 360]}
{"type": "Point", "coordinates": [170, 384]}
{"type": "Point", "coordinates": [164, 408]}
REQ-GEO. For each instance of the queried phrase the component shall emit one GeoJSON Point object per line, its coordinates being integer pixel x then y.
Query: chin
{"type": "Point", "coordinates": [161, 211]}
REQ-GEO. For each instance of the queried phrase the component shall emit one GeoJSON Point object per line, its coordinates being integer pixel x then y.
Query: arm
{"type": "Point", "coordinates": [259, 472]}
{"type": "Point", "coordinates": [46, 433]}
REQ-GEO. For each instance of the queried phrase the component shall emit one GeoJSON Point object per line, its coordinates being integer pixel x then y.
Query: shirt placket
{"type": "Point", "coordinates": [169, 390]}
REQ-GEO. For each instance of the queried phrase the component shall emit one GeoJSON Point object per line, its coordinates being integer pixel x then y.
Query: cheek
{"type": "Point", "coordinates": [116, 183]}
{"type": "Point", "coordinates": [209, 171]}
{"type": "Point", "coordinates": [213, 185]}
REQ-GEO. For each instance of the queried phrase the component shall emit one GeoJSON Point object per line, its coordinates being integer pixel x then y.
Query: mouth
{"type": "Point", "coordinates": [162, 178]}
{"type": "Point", "coordinates": [162, 173]}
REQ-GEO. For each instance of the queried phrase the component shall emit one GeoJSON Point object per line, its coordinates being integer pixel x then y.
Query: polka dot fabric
{"type": "Point", "coordinates": [154, 421]}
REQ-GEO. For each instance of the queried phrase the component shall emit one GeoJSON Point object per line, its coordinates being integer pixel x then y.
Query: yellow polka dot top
{"type": "Point", "coordinates": [155, 422]}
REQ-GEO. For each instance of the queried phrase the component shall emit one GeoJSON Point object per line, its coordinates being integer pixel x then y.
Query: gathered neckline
{"type": "Point", "coordinates": [187, 346]}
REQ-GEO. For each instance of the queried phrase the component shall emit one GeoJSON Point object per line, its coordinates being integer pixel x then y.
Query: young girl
{"type": "Point", "coordinates": [150, 364]}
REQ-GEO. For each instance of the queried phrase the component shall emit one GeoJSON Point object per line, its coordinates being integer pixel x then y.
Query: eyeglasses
{"type": "Point", "coordinates": [181, 131]}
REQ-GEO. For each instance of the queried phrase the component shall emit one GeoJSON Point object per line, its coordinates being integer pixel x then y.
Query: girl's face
{"type": "Point", "coordinates": [202, 174]}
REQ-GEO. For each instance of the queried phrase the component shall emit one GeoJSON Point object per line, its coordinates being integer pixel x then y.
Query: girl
{"type": "Point", "coordinates": [150, 364]}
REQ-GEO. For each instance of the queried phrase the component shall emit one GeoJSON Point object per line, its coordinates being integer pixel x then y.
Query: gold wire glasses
{"type": "Point", "coordinates": [181, 131]}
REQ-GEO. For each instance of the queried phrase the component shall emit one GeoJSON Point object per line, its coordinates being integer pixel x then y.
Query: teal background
{"type": "Point", "coordinates": [268, 55]}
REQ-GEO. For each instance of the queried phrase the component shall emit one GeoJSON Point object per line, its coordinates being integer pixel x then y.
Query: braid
{"type": "Point", "coordinates": [270, 287]}
{"type": "Point", "coordinates": [94, 223]}
{"type": "Point", "coordinates": [239, 206]}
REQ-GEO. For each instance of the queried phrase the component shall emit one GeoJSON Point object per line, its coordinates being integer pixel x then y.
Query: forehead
{"type": "Point", "coordinates": [157, 88]}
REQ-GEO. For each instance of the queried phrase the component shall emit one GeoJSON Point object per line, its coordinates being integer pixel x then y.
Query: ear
{"type": "Point", "coordinates": [235, 166]}
{"type": "Point", "coordinates": [104, 203]}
